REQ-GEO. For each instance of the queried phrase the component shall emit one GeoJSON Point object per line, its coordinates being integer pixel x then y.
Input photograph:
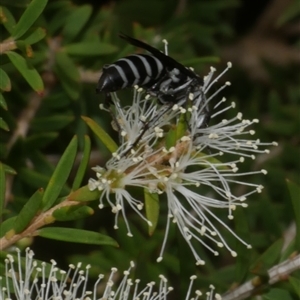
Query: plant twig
{"type": "Point", "coordinates": [39, 221]}
{"type": "Point", "coordinates": [277, 273]}
{"type": "Point", "coordinates": [7, 45]}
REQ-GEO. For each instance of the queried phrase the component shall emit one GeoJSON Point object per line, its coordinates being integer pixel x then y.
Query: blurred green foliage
{"type": "Point", "coordinates": [52, 53]}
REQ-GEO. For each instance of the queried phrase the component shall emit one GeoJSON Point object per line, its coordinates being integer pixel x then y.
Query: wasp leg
{"type": "Point", "coordinates": [194, 89]}
{"type": "Point", "coordinates": [205, 112]}
{"type": "Point", "coordinates": [108, 101]}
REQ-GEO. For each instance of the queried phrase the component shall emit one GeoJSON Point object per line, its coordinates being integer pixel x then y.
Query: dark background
{"type": "Point", "coordinates": [260, 38]}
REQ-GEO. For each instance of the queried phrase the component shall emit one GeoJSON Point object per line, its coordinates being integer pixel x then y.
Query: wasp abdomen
{"type": "Point", "coordinates": [139, 69]}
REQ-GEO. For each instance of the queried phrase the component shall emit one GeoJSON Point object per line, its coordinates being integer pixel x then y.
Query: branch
{"type": "Point", "coordinates": [7, 45]}
{"type": "Point", "coordinates": [39, 221]}
{"type": "Point", "coordinates": [277, 273]}
{"type": "Point", "coordinates": [88, 76]}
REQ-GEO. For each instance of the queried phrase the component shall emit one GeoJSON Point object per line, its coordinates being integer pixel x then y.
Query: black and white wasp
{"type": "Point", "coordinates": [160, 75]}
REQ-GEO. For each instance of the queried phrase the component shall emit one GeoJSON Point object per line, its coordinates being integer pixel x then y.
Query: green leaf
{"type": "Point", "coordinates": [38, 141]}
{"type": "Point", "coordinates": [25, 49]}
{"type": "Point", "coordinates": [32, 12]}
{"type": "Point", "coordinates": [51, 123]}
{"type": "Point", "coordinates": [90, 49]}
{"type": "Point", "coordinates": [7, 19]}
{"type": "Point", "coordinates": [101, 134]}
{"type": "Point", "coordinates": [71, 87]}
{"type": "Point", "coordinates": [35, 36]}
{"type": "Point", "coordinates": [60, 175]}
{"type": "Point", "coordinates": [267, 259]}
{"type": "Point", "coordinates": [70, 213]}
{"type": "Point", "coordinates": [76, 236]}
{"type": "Point", "coordinates": [7, 225]}
{"type": "Point", "coordinates": [182, 125]}
{"type": "Point", "coordinates": [28, 72]}
{"type": "Point", "coordinates": [270, 224]}
{"type": "Point", "coordinates": [72, 90]}
{"type": "Point", "coordinates": [28, 211]}
{"type": "Point", "coordinates": [2, 188]}
{"type": "Point", "coordinates": [3, 102]}
{"type": "Point", "coordinates": [5, 84]}
{"type": "Point", "coordinates": [295, 282]}
{"type": "Point", "coordinates": [33, 178]}
{"type": "Point", "coordinates": [58, 17]}
{"type": "Point", "coordinates": [37, 179]}
{"type": "Point", "coordinates": [288, 251]}
{"type": "Point", "coordinates": [76, 21]}
{"type": "Point", "coordinates": [9, 170]}
{"type": "Point", "coordinates": [152, 209]}
{"type": "Point", "coordinates": [290, 12]}
{"type": "Point", "coordinates": [84, 162]}
{"type": "Point", "coordinates": [3, 125]}
{"type": "Point", "coordinates": [294, 190]}
{"type": "Point", "coordinates": [84, 194]}
{"type": "Point", "coordinates": [41, 162]}
{"type": "Point", "coordinates": [57, 100]}
{"type": "Point", "coordinates": [68, 74]}
{"type": "Point", "coordinates": [277, 294]}
{"type": "Point", "coordinates": [16, 3]}
{"type": "Point", "coordinates": [171, 138]}
{"type": "Point", "coordinates": [243, 257]}
{"type": "Point", "coordinates": [59, 5]}
{"type": "Point", "coordinates": [67, 66]}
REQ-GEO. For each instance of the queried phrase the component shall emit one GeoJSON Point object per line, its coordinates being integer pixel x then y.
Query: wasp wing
{"type": "Point", "coordinates": [169, 61]}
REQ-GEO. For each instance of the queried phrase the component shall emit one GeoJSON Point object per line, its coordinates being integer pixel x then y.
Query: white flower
{"type": "Point", "coordinates": [31, 281]}
{"type": "Point", "coordinates": [225, 136]}
{"type": "Point", "coordinates": [186, 176]}
{"type": "Point", "coordinates": [120, 173]}
{"type": "Point", "coordinates": [195, 180]}
{"type": "Point", "coordinates": [135, 123]}
{"type": "Point", "coordinates": [140, 126]}
{"type": "Point", "coordinates": [180, 154]}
